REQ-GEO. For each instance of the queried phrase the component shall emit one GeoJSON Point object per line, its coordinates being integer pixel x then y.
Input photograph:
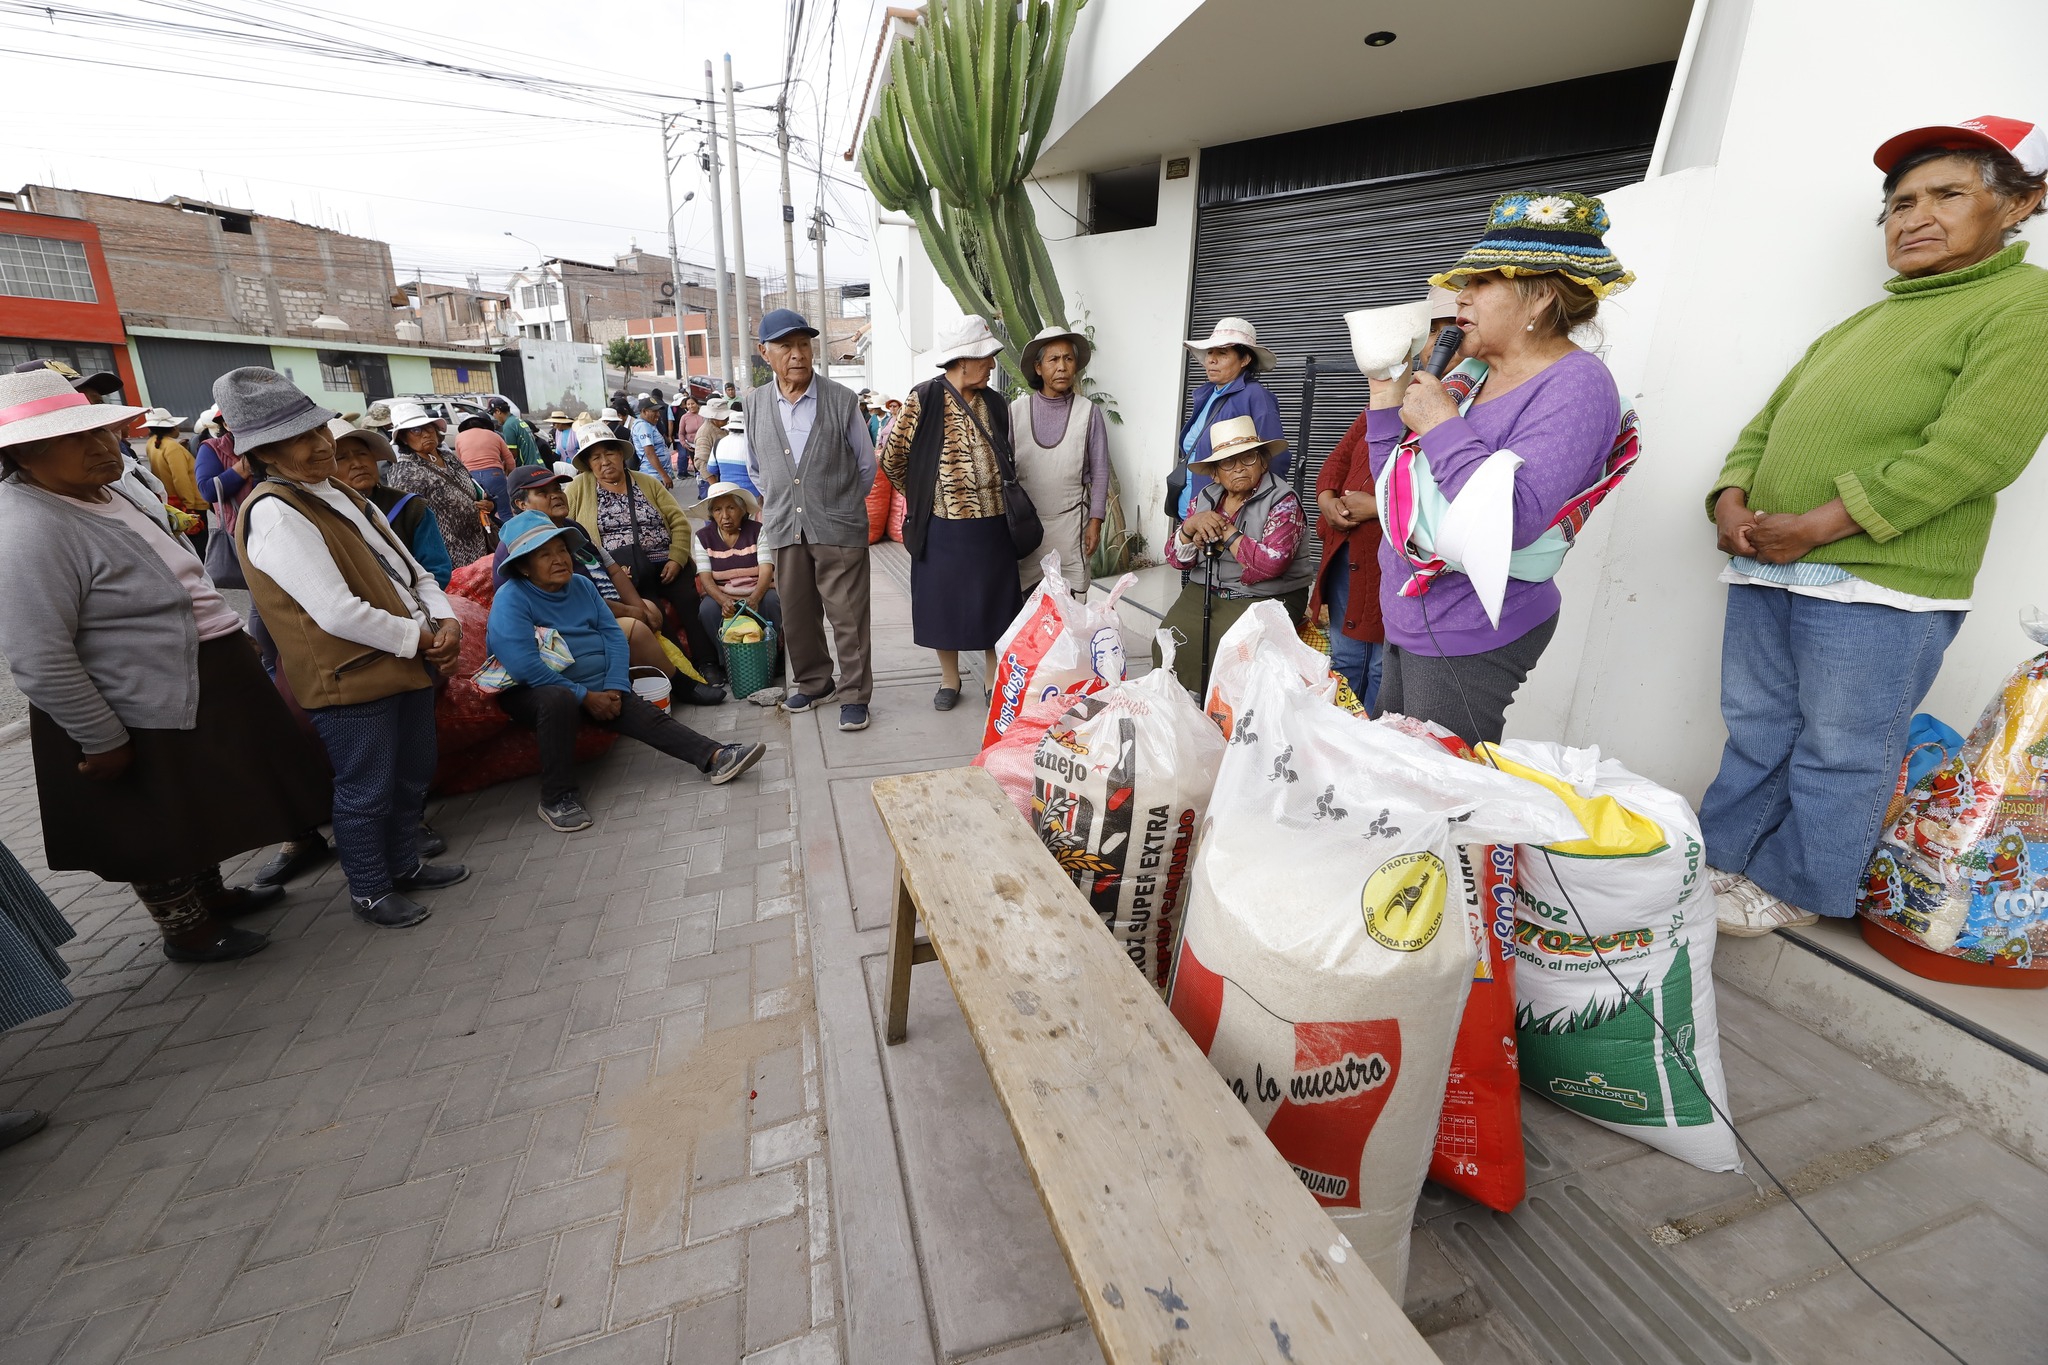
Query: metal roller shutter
{"type": "Point", "coordinates": [1295, 264]}
{"type": "Point", "coordinates": [180, 371]}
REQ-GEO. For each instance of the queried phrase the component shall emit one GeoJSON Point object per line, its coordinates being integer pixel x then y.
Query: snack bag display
{"type": "Point", "coordinates": [1963, 870]}
{"type": "Point", "coordinates": [1614, 972]}
{"type": "Point", "coordinates": [1123, 780]}
{"type": "Point", "coordinates": [1057, 645]}
{"type": "Point", "coordinates": [1325, 960]}
{"type": "Point", "coordinates": [1264, 630]}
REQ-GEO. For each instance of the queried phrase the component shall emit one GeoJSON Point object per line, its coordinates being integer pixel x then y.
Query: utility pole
{"type": "Point", "coordinates": [744, 351]}
{"type": "Point", "coordinates": [823, 324]}
{"type": "Point", "coordinates": [725, 345]}
{"type": "Point", "coordinates": [788, 210]}
{"type": "Point", "coordinates": [671, 134]}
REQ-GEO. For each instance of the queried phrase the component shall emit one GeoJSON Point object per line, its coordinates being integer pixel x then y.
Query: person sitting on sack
{"type": "Point", "coordinates": [566, 655]}
{"type": "Point", "coordinates": [1062, 447]}
{"type": "Point", "coordinates": [733, 570]}
{"type": "Point", "coordinates": [1245, 525]}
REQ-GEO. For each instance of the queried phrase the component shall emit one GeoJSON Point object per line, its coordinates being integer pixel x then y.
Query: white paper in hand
{"type": "Point", "coordinates": [1478, 530]}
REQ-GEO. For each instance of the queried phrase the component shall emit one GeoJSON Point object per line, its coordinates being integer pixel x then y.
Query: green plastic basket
{"type": "Point", "coordinates": [749, 665]}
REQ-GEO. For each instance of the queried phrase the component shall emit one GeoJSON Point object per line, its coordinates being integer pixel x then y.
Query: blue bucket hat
{"type": "Point", "coordinates": [526, 533]}
{"type": "Point", "coordinates": [783, 322]}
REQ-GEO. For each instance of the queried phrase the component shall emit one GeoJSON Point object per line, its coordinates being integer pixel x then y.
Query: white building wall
{"type": "Point", "coordinates": [1743, 263]}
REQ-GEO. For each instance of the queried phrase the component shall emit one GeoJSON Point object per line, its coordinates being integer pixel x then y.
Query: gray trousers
{"type": "Point", "coordinates": [1467, 693]}
{"type": "Point", "coordinates": [819, 582]}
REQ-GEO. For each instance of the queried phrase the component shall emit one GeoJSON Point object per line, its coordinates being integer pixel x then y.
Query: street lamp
{"type": "Point", "coordinates": [562, 285]}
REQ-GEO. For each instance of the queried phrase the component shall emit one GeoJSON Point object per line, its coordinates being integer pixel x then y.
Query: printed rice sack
{"type": "Point", "coordinates": [1631, 894]}
{"type": "Point", "coordinates": [1264, 630]}
{"type": "Point", "coordinates": [1325, 960]}
{"type": "Point", "coordinates": [1013, 760]}
{"type": "Point", "coordinates": [1057, 645]}
{"type": "Point", "coordinates": [1963, 870]}
{"type": "Point", "coordinates": [1123, 780]}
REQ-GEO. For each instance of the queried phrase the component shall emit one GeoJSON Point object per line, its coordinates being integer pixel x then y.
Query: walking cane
{"type": "Point", "coordinates": [1208, 607]}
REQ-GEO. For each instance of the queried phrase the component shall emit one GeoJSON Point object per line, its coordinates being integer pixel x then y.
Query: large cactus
{"type": "Point", "coordinates": [966, 109]}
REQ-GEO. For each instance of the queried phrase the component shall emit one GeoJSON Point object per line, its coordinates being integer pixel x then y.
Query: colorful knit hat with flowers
{"type": "Point", "coordinates": [1542, 234]}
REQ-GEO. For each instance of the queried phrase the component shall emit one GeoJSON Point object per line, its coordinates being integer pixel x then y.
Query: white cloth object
{"type": "Point", "coordinates": [1850, 589]}
{"type": "Point", "coordinates": [290, 550]}
{"type": "Point", "coordinates": [1477, 533]}
{"type": "Point", "coordinates": [1383, 339]}
{"type": "Point", "coordinates": [210, 611]}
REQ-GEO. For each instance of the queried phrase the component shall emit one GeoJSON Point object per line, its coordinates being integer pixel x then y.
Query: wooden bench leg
{"type": "Point", "coordinates": [902, 936]}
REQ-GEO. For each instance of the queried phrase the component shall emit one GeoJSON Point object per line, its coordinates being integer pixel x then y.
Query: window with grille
{"type": "Point", "coordinates": [340, 372]}
{"type": "Point", "coordinates": [45, 268]}
{"type": "Point", "coordinates": [696, 345]}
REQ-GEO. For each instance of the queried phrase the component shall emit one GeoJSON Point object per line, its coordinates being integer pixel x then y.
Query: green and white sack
{"type": "Point", "coordinates": [1639, 888]}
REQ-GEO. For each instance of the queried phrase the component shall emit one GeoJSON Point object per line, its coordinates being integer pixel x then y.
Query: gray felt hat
{"type": "Point", "coordinates": [261, 407]}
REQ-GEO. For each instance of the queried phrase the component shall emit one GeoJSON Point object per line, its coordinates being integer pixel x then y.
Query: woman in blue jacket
{"type": "Point", "coordinates": [565, 652]}
{"type": "Point", "coordinates": [1233, 360]}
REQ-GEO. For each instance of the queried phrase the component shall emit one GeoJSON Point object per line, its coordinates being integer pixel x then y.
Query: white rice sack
{"type": "Point", "coordinates": [1327, 953]}
{"type": "Point", "coordinates": [1634, 895]}
{"type": "Point", "coordinates": [1122, 781]}
{"type": "Point", "coordinates": [1264, 631]}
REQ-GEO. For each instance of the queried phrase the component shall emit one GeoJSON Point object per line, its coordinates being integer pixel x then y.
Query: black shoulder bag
{"type": "Point", "coordinates": [1027, 532]}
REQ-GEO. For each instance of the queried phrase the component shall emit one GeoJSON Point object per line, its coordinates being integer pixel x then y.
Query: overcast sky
{"type": "Point", "coordinates": [439, 164]}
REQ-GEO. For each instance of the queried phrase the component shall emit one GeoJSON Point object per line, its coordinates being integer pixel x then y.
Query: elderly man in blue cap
{"type": "Point", "coordinates": [810, 455]}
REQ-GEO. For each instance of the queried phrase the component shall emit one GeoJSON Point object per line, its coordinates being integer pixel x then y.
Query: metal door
{"type": "Point", "coordinates": [180, 372]}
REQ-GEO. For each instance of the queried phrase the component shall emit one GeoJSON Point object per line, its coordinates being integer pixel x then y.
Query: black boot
{"type": "Point", "coordinates": [192, 933]}
{"type": "Point", "coordinates": [294, 860]}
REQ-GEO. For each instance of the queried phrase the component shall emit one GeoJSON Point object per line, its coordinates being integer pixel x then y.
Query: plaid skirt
{"type": "Point", "coordinates": [31, 929]}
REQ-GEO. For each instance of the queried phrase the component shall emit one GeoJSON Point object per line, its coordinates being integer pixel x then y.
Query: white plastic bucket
{"type": "Point", "coordinates": [650, 686]}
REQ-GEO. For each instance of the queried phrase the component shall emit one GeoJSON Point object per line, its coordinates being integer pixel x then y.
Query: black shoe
{"type": "Point", "coordinates": [293, 861]}
{"type": "Point", "coordinates": [945, 699]}
{"type": "Point", "coordinates": [431, 844]}
{"type": "Point", "coordinates": [228, 945]}
{"type": "Point", "coordinates": [16, 1124]}
{"type": "Point", "coordinates": [236, 901]}
{"type": "Point", "coordinates": [566, 815]}
{"type": "Point", "coordinates": [432, 876]}
{"type": "Point", "coordinates": [733, 759]}
{"type": "Point", "coordinates": [389, 911]}
{"type": "Point", "coordinates": [698, 694]}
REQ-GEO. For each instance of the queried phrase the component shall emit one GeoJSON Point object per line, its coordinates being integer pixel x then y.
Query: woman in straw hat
{"type": "Point", "coordinates": [1232, 360]}
{"type": "Point", "coordinates": [172, 463]}
{"type": "Point", "coordinates": [160, 746]}
{"type": "Point", "coordinates": [733, 568]}
{"type": "Point", "coordinates": [1244, 530]}
{"type": "Point", "coordinates": [1535, 427]}
{"type": "Point", "coordinates": [947, 452]}
{"type": "Point", "coordinates": [422, 469]}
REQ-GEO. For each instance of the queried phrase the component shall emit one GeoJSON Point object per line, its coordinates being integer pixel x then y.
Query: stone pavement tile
{"type": "Point", "coordinates": [472, 1223]}
{"type": "Point", "coordinates": [387, 1210]}
{"type": "Point", "coordinates": [508, 1136]}
{"type": "Point", "coordinates": [401, 1138]}
{"type": "Point", "coordinates": [234, 1346]}
{"type": "Point", "coordinates": [299, 1336]}
{"type": "Point", "coordinates": [721, 1155]}
{"type": "Point", "coordinates": [206, 1214]}
{"type": "Point", "coordinates": [709, 1332]}
{"type": "Point", "coordinates": [778, 1087]}
{"type": "Point", "coordinates": [561, 1206]}
{"type": "Point", "coordinates": [818, 1348]}
{"type": "Point", "coordinates": [85, 1147]}
{"type": "Point", "coordinates": [459, 1287]}
{"type": "Point", "coordinates": [474, 1094]}
{"type": "Point", "coordinates": [376, 1308]}
{"type": "Point", "coordinates": [503, 1333]}
{"type": "Point", "coordinates": [579, 1286]}
{"type": "Point", "coordinates": [106, 1337]}
{"type": "Point", "coordinates": [173, 1106]}
{"type": "Point", "coordinates": [295, 1229]}
{"type": "Point", "coordinates": [551, 1155]}
{"type": "Point", "coordinates": [230, 1161]}
{"type": "Point", "coordinates": [288, 1284]}
{"type": "Point", "coordinates": [112, 1284]}
{"type": "Point", "coordinates": [778, 1287]}
{"type": "Point", "coordinates": [782, 1144]}
{"type": "Point", "coordinates": [434, 1346]}
{"type": "Point", "coordinates": [715, 1212]}
{"type": "Point", "coordinates": [661, 1284]}
{"type": "Point", "coordinates": [125, 1230]}
{"type": "Point", "coordinates": [187, 1309]}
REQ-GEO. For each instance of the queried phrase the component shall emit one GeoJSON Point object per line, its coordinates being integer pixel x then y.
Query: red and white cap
{"type": "Point", "coordinates": [2026, 143]}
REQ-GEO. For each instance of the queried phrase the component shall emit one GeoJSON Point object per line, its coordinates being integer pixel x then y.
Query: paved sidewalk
{"type": "Point", "coordinates": [575, 1116]}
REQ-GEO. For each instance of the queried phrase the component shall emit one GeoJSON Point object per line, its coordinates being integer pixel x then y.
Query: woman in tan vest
{"type": "Point", "coordinates": [1062, 447]}
{"type": "Point", "coordinates": [357, 622]}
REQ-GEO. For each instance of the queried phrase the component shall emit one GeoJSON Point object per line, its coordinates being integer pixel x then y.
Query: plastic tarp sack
{"type": "Point", "coordinates": [1263, 631]}
{"type": "Point", "coordinates": [1123, 780]}
{"type": "Point", "coordinates": [1326, 957]}
{"type": "Point", "coordinates": [1963, 869]}
{"type": "Point", "coordinates": [899, 512]}
{"type": "Point", "coordinates": [1633, 1044]}
{"type": "Point", "coordinates": [880, 495]}
{"type": "Point", "coordinates": [1058, 645]}
{"type": "Point", "coordinates": [1013, 760]}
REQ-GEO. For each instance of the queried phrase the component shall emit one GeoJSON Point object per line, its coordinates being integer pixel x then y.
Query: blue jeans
{"type": "Point", "coordinates": [1357, 660]}
{"type": "Point", "coordinates": [383, 754]}
{"type": "Point", "coordinates": [492, 481]}
{"type": "Point", "coordinates": [1818, 697]}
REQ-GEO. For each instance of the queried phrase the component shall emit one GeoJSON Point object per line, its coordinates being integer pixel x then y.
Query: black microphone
{"type": "Point", "coordinates": [1447, 343]}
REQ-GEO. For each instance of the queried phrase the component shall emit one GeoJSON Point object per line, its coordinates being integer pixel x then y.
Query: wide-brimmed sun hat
{"type": "Point", "coordinates": [591, 435]}
{"type": "Point", "coordinates": [157, 418]}
{"type": "Point", "coordinates": [1533, 233]}
{"type": "Point", "coordinates": [1235, 436]}
{"type": "Point", "coordinates": [558, 416]}
{"type": "Point", "coordinates": [40, 403]}
{"type": "Point", "coordinates": [405, 416]}
{"type": "Point", "coordinates": [262, 407]}
{"type": "Point", "coordinates": [101, 382]}
{"type": "Point", "coordinates": [701, 508]}
{"type": "Point", "coordinates": [1084, 351]}
{"type": "Point", "coordinates": [2026, 143]}
{"type": "Point", "coordinates": [968, 339]}
{"type": "Point", "coordinates": [717, 410]}
{"type": "Point", "coordinates": [377, 441]}
{"type": "Point", "coordinates": [527, 532]}
{"type": "Point", "coordinates": [1234, 332]}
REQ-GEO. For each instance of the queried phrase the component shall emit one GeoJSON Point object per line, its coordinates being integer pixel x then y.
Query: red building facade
{"type": "Point", "coordinates": [57, 298]}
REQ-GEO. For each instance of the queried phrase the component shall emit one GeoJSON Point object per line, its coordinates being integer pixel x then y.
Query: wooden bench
{"type": "Point", "coordinates": [1188, 1237]}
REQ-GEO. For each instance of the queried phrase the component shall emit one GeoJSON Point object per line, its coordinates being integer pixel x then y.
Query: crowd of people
{"type": "Point", "coordinates": [639, 537]}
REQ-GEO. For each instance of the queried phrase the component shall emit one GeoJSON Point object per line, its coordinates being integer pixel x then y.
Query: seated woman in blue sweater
{"type": "Point", "coordinates": [544, 596]}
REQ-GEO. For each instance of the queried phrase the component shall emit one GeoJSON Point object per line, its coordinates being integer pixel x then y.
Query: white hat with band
{"type": "Point", "coordinates": [39, 404]}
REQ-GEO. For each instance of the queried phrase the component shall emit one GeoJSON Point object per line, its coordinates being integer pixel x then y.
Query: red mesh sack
{"type": "Point", "coordinates": [898, 510]}
{"type": "Point", "coordinates": [881, 498]}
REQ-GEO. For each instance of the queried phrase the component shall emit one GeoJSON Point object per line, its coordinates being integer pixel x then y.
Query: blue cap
{"type": "Point", "coordinates": [526, 533]}
{"type": "Point", "coordinates": [782, 322]}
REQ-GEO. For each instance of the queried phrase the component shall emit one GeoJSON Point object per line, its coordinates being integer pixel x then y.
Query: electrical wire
{"type": "Point", "coordinates": [1687, 1062]}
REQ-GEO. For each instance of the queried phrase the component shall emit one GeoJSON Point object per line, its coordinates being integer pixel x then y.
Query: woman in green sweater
{"type": "Point", "coordinates": [1855, 510]}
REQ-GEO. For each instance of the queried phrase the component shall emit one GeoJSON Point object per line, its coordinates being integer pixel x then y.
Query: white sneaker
{"type": "Point", "coordinates": [1743, 909]}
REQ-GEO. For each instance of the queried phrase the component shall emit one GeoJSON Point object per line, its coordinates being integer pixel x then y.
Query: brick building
{"type": "Point", "coordinates": [57, 297]}
{"type": "Point", "coordinates": [602, 299]}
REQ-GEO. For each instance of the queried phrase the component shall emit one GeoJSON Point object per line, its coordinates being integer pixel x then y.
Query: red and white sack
{"type": "Point", "coordinates": [1013, 760]}
{"type": "Point", "coordinates": [1326, 956]}
{"type": "Point", "coordinates": [1123, 780]}
{"type": "Point", "coordinates": [1263, 631]}
{"type": "Point", "coordinates": [1057, 645]}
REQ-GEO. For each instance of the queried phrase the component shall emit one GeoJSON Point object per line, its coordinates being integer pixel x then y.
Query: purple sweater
{"type": "Point", "coordinates": [1562, 423]}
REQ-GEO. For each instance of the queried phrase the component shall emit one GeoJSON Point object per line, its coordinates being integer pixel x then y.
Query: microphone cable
{"type": "Point", "coordinates": [1685, 1059]}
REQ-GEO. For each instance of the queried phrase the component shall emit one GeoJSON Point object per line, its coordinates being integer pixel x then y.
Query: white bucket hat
{"type": "Point", "coordinates": [1235, 332]}
{"type": "Point", "coordinates": [405, 416]}
{"type": "Point", "coordinates": [161, 417]}
{"type": "Point", "coordinates": [701, 509]}
{"type": "Point", "coordinates": [736, 421]}
{"type": "Point", "coordinates": [591, 435]}
{"type": "Point", "coordinates": [38, 404]}
{"type": "Point", "coordinates": [717, 410]}
{"type": "Point", "coordinates": [969, 339]}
